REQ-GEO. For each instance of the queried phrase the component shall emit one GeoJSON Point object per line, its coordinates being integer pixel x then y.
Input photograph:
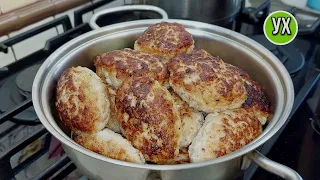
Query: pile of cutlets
{"type": "Point", "coordinates": [162, 103]}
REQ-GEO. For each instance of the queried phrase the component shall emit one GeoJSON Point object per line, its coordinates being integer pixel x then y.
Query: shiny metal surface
{"type": "Point", "coordinates": [94, 18]}
{"type": "Point", "coordinates": [274, 167]}
{"type": "Point", "coordinates": [214, 11]}
{"type": "Point", "coordinates": [232, 47]}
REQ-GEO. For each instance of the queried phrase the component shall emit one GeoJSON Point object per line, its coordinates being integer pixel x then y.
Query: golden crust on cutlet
{"type": "Point", "coordinates": [148, 118]}
{"type": "Point", "coordinates": [205, 82]}
{"type": "Point", "coordinates": [257, 103]}
{"type": "Point", "coordinates": [191, 120]}
{"type": "Point", "coordinates": [165, 39]}
{"type": "Point", "coordinates": [113, 122]}
{"type": "Point", "coordinates": [116, 66]}
{"type": "Point", "coordinates": [223, 133]}
{"type": "Point", "coordinates": [82, 100]}
{"type": "Point", "coordinates": [182, 158]}
{"type": "Point", "coordinates": [110, 144]}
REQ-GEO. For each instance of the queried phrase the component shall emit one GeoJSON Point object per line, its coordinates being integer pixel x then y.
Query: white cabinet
{"type": "Point", "coordinates": [33, 43]}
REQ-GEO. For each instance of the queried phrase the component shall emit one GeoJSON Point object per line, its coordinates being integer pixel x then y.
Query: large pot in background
{"type": "Point", "coordinates": [218, 12]}
{"type": "Point", "coordinates": [231, 46]}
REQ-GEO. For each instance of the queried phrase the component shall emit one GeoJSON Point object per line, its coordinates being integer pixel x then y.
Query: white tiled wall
{"type": "Point", "coordinates": [86, 17]}
{"type": "Point", "coordinates": [37, 42]}
{"type": "Point", "coordinates": [34, 43]}
{"type": "Point", "coordinates": [8, 58]}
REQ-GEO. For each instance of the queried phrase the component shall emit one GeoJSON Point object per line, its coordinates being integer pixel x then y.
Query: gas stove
{"type": "Point", "coordinates": [294, 144]}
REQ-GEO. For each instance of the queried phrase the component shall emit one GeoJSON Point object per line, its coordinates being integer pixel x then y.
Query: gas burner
{"type": "Point", "coordinates": [291, 58]}
{"type": "Point", "coordinates": [25, 79]}
{"type": "Point", "coordinates": [16, 90]}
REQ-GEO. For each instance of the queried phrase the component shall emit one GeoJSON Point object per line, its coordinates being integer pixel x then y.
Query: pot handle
{"type": "Point", "coordinates": [93, 24]}
{"type": "Point", "coordinates": [273, 167]}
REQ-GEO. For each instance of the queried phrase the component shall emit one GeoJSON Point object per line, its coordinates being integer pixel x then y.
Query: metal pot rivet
{"type": "Point", "coordinates": [154, 176]}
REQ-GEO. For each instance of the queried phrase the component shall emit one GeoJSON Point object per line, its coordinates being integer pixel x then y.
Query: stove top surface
{"type": "Point", "coordinates": [297, 142]}
{"type": "Point", "coordinates": [298, 146]}
{"type": "Point", "coordinates": [288, 54]}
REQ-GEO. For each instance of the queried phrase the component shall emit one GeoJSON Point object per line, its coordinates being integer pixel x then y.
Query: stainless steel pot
{"type": "Point", "coordinates": [210, 11]}
{"type": "Point", "coordinates": [233, 47]}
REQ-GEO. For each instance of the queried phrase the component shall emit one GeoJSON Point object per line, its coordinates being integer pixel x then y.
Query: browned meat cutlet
{"type": "Point", "coordinates": [223, 133]}
{"type": "Point", "coordinates": [165, 39]}
{"type": "Point", "coordinates": [82, 100]}
{"type": "Point", "coordinates": [113, 122]}
{"type": "Point", "coordinates": [191, 120]}
{"type": "Point", "coordinates": [116, 66]}
{"type": "Point", "coordinates": [148, 118]}
{"type": "Point", "coordinates": [257, 103]}
{"type": "Point", "coordinates": [110, 144]}
{"type": "Point", "coordinates": [182, 158]}
{"type": "Point", "coordinates": [205, 82]}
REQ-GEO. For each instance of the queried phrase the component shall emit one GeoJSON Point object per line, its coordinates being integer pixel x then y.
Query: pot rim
{"type": "Point", "coordinates": [281, 77]}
